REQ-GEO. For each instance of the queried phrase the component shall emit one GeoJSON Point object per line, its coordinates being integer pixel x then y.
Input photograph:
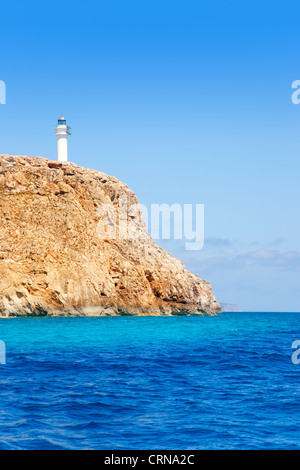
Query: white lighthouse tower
{"type": "Point", "coordinates": [62, 132]}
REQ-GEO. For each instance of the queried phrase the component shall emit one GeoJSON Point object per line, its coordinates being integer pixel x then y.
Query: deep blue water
{"type": "Point", "coordinates": [224, 382]}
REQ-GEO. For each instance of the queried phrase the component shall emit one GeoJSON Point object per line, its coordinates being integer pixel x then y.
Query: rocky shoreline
{"type": "Point", "coordinates": [53, 262]}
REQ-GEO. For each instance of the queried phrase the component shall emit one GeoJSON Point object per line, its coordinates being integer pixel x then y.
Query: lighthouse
{"type": "Point", "coordinates": [62, 133]}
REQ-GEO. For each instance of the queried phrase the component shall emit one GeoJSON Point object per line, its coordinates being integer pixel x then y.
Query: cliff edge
{"type": "Point", "coordinates": [55, 261]}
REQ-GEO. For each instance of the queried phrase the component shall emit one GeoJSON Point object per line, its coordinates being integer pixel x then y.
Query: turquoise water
{"type": "Point", "coordinates": [224, 382]}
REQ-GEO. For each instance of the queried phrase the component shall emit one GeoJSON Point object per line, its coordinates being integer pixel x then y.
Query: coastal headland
{"type": "Point", "coordinates": [53, 261]}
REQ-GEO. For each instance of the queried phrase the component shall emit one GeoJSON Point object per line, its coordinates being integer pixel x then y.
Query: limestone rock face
{"type": "Point", "coordinates": [57, 256]}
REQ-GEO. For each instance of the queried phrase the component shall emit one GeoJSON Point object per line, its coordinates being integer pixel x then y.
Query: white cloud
{"type": "Point", "coordinates": [288, 260]}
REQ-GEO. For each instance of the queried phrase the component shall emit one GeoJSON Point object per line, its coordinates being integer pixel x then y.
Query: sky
{"type": "Point", "coordinates": [187, 102]}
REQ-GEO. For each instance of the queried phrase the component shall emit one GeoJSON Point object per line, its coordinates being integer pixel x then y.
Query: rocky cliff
{"type": "Point", "coordinates": [57, 255]}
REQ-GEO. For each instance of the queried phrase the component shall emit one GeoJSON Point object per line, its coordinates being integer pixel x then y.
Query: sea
{"type": "Point", "coordinates": [122, 383]}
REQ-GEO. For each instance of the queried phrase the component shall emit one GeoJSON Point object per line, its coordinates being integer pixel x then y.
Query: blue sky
{"type": "Point", "coordinates": [186, 102]}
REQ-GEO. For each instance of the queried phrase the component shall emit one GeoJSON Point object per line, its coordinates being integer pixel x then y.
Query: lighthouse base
{"type": "Point", "coordinates": [62, 148]}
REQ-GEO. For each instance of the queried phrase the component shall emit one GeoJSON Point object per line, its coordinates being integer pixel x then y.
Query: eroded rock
{"type": "Point", "coordinates": [52, 261]}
